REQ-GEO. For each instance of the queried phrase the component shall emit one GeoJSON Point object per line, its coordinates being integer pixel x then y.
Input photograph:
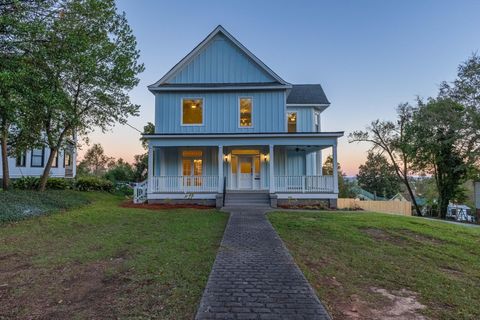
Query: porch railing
{"type": "Point", "coordinates": [183, 184]}
{"type": "Point", "coordinates": [303, 184]}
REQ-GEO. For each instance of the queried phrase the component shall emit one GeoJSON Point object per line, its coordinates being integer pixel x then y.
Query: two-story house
{"type": "Point", "coordinates": [226, 124]}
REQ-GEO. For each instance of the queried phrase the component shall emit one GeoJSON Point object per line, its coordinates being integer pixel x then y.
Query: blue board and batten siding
{"type": "Point", "coordinates": [221, 112]}
{"type": "Point", "coordinates": [221, 62]}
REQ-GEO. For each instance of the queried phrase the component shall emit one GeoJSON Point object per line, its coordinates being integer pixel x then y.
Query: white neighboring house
{"type": "Point", "coordinates": [32, 163]}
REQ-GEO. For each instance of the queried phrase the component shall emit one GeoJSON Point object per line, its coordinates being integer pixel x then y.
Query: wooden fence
{"type": "Point", "coordinates": [394, 207]}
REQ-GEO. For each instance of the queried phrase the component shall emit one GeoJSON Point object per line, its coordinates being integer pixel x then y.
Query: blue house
{"type": "Point", "coordinates": [227, 125]}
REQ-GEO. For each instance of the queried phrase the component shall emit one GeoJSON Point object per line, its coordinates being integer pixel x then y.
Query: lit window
{"type": "Point", "coordinates": [292, 122]}
{"type": "Point", "coordinates": [192, 167]}
{"type": "Point", "coordinates": [67, 159]}
{"type": "Point", "coordinates": [192, 153]}
{"type": "Point", "coordinates": [37, 157]}
{"type": "Point", "coordinates": [245, 112]}
{"type": "Point", "coordinates": [21, 160]}
{"type": "Point", "coordinates": [192, 111]}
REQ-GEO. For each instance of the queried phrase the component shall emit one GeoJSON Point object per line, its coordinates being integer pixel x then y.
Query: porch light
{"type": "Point", "coordinates": [226, 158]}
{"type": "Point", "coordinates": [265, 158]}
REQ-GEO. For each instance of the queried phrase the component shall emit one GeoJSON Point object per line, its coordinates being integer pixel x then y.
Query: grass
{"type": "Point", "coordinates": [21, 204]}
{"type": "Point", "coordinates": [102, 260]}
{"type": "Point", "coordinates": [346, 255]}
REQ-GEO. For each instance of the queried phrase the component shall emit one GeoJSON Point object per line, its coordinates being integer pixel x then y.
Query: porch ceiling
{"type": "Point", "coordinates": [314, 139]}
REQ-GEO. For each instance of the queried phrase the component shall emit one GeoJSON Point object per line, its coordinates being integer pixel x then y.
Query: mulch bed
{"type": "Point", "coordinates": [163, 206]}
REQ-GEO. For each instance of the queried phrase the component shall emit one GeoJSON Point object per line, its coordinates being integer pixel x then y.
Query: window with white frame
{"type": "Point", "coordinates": [37, 157]}
{"type": "Point", "coordinates": [192, 111]}
{"type": "Point", "coordinates": [245, 106]}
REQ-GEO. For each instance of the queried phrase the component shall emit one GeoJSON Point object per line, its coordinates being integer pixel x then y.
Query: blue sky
{"type": "Point", "coordinates": [368, 55]}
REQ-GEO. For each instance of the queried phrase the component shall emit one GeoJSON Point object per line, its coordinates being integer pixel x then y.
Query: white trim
{"type": "Point", "coordinates": [238, 112]}
{"type": "Point", "coordinates": [219, 29]}
{"type": "Point", "coordinates": [181, 195]}
{"type": "Point", "coordinates": [284, 195]}
{"type": "Point", "coordinates": [181, 112]}
{"type": "Point", "coordinates": [218, 88]}
{"type": "Point", "coordinates": [246, 136]}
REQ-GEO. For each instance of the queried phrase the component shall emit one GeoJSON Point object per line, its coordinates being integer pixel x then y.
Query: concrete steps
{"type": "Point", "coordinates": [247, 199]}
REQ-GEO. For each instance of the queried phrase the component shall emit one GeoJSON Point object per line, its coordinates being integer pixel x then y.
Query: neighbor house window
{"type": "Point", "coordinates": [245, 112]}
{"type": "Point", "coordinates": [67, 159]}
{"type": "Point", "coordinates": [292, 122]}
{"type": "Point", "coordinates": [37, 157]}
{"type": "Point", "coordinates": [317, 121]}
{"type": "Point", "coordinates": [192, 111]}
{"type": "Point", "coordinates": [55, 161]}
{"type": "Point", "coordinates": [21, 160]}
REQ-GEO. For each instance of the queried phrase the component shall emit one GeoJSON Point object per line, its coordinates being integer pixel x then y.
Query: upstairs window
{"type": "Point", "coordinates": [192, 111]}
{"type": "Point", "coordinates": [245, 112]}
{"type": "Point", "coordinates": [21, 160]}
{"type": "Point", "coordinates": [37, 157]}
{"type": "Point", "coordinates": [292, 122]}
{"type": "Point", "coordinates": [317, 121]}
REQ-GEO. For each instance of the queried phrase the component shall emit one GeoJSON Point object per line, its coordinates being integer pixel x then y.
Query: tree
{"type": "Point", "coordinates": [95, 161]}
{"type": "Point", "coordinates": [378, 176]}
{"type": "Point", "coordinates": [120, 171]}
{"type": "Point", "coordinates": [149, 128]}
{"type": "Point", "coordinates": [88, 63]}
{"type": "Point", "coordinates": [344, 186]}
{"type": "Point", "coordinates": [22, 25]}
{"type": "Point", "coordinates": [446, 144]}
{"type": "Point", "coordinates": [391, 139]}
{"type": "Point", "coordinates": [140, 167]}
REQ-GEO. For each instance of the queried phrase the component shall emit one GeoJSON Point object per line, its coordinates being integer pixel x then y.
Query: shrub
{"type": "Point", "coordinates": [31, 183]}
{"type": "Point", "coordinates": [59, 184]}
{"type": "Point", "coordinates": [26, 183]}
{"type": "Point", "coordinates": [93, 184]}
{"type": "Point", "coordinates": [124, 189]}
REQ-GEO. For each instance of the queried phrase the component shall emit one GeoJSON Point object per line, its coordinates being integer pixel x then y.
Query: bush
{"type": "Point", "coordinates": [93, 184]}
{"type": "Point", "coordinates": [59, 184]}
{"type": "Point", "coordinates": [124, 189]}
{"type": "Point", "coordinates": [32, 183]}
{"type": "Point", "coordinates": [26, 183]}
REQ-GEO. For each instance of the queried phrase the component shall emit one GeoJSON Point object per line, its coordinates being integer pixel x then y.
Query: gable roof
{"type": "Point", "coordinates": [307, 94]}
{"type": "Point", "coordinates": [278, 81]}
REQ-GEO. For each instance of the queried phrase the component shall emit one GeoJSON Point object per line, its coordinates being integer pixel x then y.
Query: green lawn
{"type": "Point", "coordinates": [350, 258]}
{"type": "Point", "coordinates": [102, 260]}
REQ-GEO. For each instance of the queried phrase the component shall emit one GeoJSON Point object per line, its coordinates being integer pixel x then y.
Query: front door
{"type": "Point", "coordinates": [245, 179]}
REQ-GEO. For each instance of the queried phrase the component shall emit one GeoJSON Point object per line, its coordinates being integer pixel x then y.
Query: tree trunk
{"type": "Point", "coordinates": [46, 172]}
{"type": "Point", "coordinates": [5, 171]}
{"type": "Point", "coordinates": [412, 196]}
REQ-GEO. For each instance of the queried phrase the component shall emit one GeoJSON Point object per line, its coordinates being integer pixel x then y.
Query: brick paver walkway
{"type": "Point", "coordinates": [254, 276]}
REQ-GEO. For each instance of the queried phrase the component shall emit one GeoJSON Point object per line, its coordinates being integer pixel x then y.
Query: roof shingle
{"type": "Point", "coordinates": [307, 94]}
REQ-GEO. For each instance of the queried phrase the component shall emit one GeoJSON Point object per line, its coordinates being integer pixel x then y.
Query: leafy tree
{"type": "Point", "coordinates": [446, 144]}
{"type": "Point", "coordinates": [22, 25]}
{"type": "Point", "coordinates": [149, 128]}
{"type": "Point", "coordinates": [344, 186]}
{"type": "Point", "coordinates": [140, 167]}
{"type": "Point", "coordinates": [88, 63]}
{"type": "Point", "coordinates": [391, 139]}
{"type": "Point", "coordinates": [378, 176]}
{"type": "Point", "coordinates": [95, 162]}
{"type": "Point", "coordinates": [120, 171]}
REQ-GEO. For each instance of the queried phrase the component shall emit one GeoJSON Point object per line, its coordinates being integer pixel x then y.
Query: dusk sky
{"type": "Point", "coordinates": [369, 56]}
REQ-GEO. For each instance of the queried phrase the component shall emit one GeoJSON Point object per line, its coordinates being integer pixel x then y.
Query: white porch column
{"type": "Point", "coordinates": [220, 169]}
{"type": "Point", "coordinates": [271, 169]}
{"type": "Point", "coordinates": [335, 168]}
{"type": "Point", "coordinates": [150, 168]}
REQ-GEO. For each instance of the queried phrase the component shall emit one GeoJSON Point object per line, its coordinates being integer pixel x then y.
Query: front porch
{"type": "Point", "coordinates": [188, 169]}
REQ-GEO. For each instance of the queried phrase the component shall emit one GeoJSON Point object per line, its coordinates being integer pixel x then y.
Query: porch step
{"type": "Point", "coordinates": [247, 199]}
